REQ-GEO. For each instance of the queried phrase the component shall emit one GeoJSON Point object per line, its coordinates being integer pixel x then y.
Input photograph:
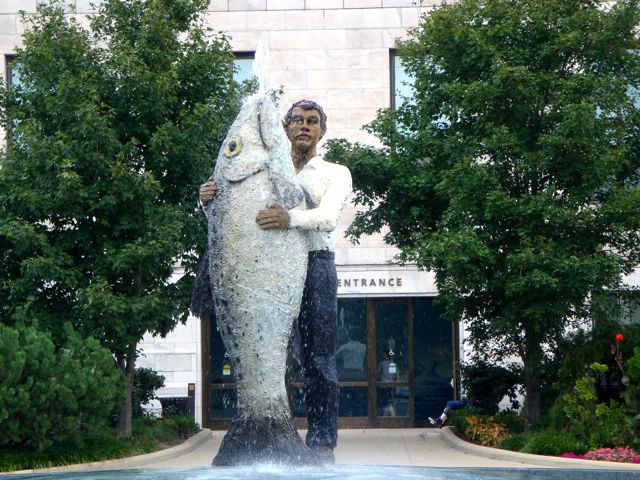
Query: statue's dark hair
{"type": "Point", "coordinates": [307, 105]}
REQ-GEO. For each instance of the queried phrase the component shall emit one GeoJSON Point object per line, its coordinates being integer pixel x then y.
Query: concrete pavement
{"type": "Point", "coordinates": [402, 447]}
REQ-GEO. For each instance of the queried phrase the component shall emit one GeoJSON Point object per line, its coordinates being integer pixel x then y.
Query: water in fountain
{"type": "Point", "coordinates": [338, 472]}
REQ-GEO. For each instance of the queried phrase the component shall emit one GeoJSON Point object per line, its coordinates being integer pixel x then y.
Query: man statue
{"type": "Point", "coordinates": [327, 186]}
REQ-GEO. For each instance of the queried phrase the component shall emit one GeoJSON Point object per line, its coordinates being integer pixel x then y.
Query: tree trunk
{"type": "Point", "coordinates": [532, 393]}
{"type": "Point", "coordinates": [127, 367]}
{"type": "Point", "coordinates": [532, 379]}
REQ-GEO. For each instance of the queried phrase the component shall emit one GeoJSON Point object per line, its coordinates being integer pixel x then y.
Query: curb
{"type": "Point", "coordinates": [187, 446]}
{"type": "Point", "coordinates": [528, 458]}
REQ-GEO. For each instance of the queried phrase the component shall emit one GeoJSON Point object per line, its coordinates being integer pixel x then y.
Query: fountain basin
{"type": "Point", "coordinates": [337, 472]}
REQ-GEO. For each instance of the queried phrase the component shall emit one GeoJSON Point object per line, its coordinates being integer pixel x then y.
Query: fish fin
{"type": "Point", "coordinates": [289, 192]}
{"type": "Point", "coordinates": [281, 171]}
{"type": "Point", "coordinates": [201, 295]}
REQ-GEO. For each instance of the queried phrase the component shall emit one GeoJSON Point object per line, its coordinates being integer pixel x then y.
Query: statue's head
{"type": "Point", "coordinates": [307, 105]}
{"type": "Point", "coordinates": [305, 124]}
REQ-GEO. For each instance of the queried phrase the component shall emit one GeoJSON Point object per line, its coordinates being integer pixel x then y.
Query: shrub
{"type": "Point", "coordinates": [551, 442]}
{"type": "Point", "coordinates": [458, 418]}
{"type": "Point", "coordinates": [46, 394]}
{"type": "Point", "coordinates": [167, 429]}
{"type": "Point", "coordinates": [145, 383]}
{"type": "Point", "coordinates": [594, 424]}
{"type": "Point", "coordinates": [487, 384]}
{"type": "Point", "coordinates": [183, 425]}
{"type": "Point", "coordinates": [513, 420]}
{"type": "Point", "coordinates": [515, 442]}
{"type": "Point", "coordinates": [148, 435]}
{"type": "Point", "coordinates": [631, 394]}
{"type": "Point", "coordinates": [485, 430]}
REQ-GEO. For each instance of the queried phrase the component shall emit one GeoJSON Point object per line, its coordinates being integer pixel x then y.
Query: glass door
{"type": "Point", "coordinates": [374, 362]}
{"type": "Point", "coordinates": [390, 363]}
{"type": "Point", "coordinates": [351, 362]}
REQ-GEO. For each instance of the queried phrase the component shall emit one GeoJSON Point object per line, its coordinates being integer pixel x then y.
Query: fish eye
{"type": "Point", "coordinates": [233, 147]}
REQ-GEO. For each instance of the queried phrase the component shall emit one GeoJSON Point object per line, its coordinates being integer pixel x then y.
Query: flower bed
{"type": "Point", "coordinates": [619, 454]}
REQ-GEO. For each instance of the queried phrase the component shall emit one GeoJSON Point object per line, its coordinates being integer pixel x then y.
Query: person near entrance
{"type": "Point", "coordinates": [451, 405]}
{"type": "Point", "coordinates": [350, 358]}
{"type": "Point", "coordinates": [327, 187]}
{"type": "Point", "coordinates": [387, 372]}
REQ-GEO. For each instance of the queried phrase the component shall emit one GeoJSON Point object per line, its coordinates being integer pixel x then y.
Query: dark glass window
{"type": "Point", "coordinates": [221, 370]}
{"type": "Point", "coordinates": [351, 350]}
{"type": "Point", "coordinates": [351, 357]}
{"type": "Point", "coordinates": [433, 358]}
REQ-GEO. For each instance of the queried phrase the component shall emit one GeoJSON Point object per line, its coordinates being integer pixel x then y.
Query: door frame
{"type": "Point", "coordinates": [372, 420]}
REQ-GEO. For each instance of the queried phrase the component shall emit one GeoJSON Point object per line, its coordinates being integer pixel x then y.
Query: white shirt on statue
{"type": "Point", "coordinates": [327, 187]}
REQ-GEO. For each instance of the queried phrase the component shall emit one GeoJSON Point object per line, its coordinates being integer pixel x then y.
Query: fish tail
{"type": "Point", "coordinates": [268, 440]}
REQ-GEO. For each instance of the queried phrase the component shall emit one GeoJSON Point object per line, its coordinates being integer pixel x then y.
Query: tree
{"type": "Point", "coordinates": [512, 172]}
{"type": "Point", "coordinates": [49, 394]}
{"type": "Point", "coordinates": [111, 131]}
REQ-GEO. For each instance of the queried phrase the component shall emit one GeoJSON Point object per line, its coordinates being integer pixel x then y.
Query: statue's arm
{"type": "Point", "coordinates": [207, 193]}
{"type": "Point", "coordinates": [325, 216]}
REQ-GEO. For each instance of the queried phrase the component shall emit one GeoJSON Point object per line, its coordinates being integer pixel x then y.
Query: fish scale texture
{"type": "Point", "coordinates": [257, 282]}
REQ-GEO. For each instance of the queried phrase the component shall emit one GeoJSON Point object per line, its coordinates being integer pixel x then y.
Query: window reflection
{"type": "Point", "coordinates": [243, 67]}
{"type": "Point", "coordinates": [401, 82]}
{"type": "Point", "coordinates": [351, 352]}
{"type": "Point", "coordinates": [13, 71]}
{"type": "Point", "coordinates": [393, 365]}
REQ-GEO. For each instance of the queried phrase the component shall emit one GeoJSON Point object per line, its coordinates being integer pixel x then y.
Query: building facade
{"type": "Point", "coordinates": [339, 53]}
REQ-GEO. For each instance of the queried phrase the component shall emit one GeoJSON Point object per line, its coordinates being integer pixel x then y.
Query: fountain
{"type": "Point", "coordinates": [337, 472]}
{"type": "Point", "coordinates": [262, 437]}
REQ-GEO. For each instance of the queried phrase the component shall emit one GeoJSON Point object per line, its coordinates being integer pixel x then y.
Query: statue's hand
{"type": "Point", "coordinates": [274, 216]}
{"type": "Point", "coordinates": [207, 191]}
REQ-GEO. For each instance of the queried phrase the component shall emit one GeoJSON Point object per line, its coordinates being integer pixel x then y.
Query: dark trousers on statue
{"type": "Point", "coordinates": [317, 325]}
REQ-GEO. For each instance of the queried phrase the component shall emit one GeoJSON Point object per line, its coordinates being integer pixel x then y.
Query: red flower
{"type": "Point", "coordinates": [619, 337]}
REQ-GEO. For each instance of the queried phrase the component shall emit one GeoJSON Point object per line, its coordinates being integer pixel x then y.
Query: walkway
{"type": "Point", "coordinates": [410, 447]}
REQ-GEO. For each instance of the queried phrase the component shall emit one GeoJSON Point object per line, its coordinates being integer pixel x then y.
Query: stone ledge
{"type": "Point", "coordinates": [187, 446]}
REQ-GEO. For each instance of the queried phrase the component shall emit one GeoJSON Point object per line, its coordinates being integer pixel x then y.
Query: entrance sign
{"type": "Point", "coordinates": [388, 282]}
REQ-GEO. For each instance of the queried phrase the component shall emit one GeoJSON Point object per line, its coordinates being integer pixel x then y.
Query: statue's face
{"type": "Point", "coordinates": [304, 129]}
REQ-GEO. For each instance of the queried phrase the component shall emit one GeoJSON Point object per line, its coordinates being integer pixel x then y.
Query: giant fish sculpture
{"type": "Point", "coordinates": [257, 278]}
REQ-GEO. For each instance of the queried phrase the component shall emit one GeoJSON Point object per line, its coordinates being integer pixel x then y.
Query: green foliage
{"type": "Point", "coordinates": [487, 384]}
{"type": "Point", "coordinates": [167, 429]}
{"type": "Point", "coordinates": [512, 172]}
{"type": "Point", "coordinates": [551, 442]}
{"type": "Point", "coordinates": [145, 383]}
{"type": "Point", "coordinates": [510, 419]}
{"type": "Point", "coordinates": [632, 365]}
{"type": "Point", "coordinates": [631, 394]}
{"type": "Point", "coordinates": [515, 442]}
{"type": "Point", "coordinates": [183, 425]}
{"type": "Point", "coordinates": [458, 418]}
{"type": "Point", "coordinates": [112, 130]}
{"type": "Point", "coordinates": [148, 435]}
{"type": "Point", "coordinates": [513, 420]}
{"type": "Point", "coordinates": [573, 352]}
{"type": "Point", "coordinates": [52, 395]}
{"type": "Point", "coordinates": [594, 424]}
